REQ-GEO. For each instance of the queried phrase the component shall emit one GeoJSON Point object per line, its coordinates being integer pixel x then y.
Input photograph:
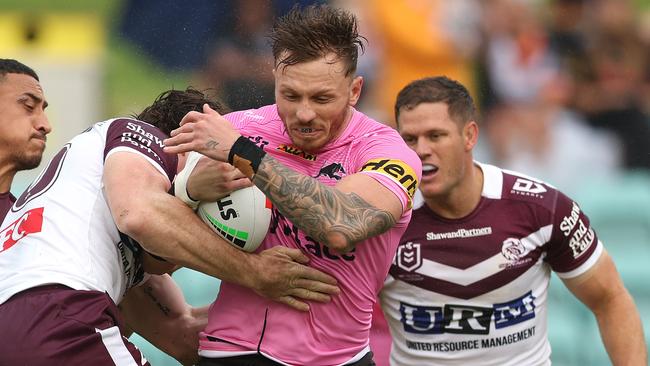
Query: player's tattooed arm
{"type": "Point", "coordinates": [332, 217]}
{"type": "Point", "coordinates": [149, 291]}
{"type": "Point", "coordinates": [158, 312]}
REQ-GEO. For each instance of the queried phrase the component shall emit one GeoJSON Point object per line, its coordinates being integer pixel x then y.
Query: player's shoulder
{"type": "Point", "coordinates": [259, 116]}
{"type": "Point", "coordinates": [370, 137]}
{"type": "Point", "coordinates": [510, 185]}
{"type": "Point", "coordinates": [365, 127]}
{"type": "Point", "coordinates": [118, 122]}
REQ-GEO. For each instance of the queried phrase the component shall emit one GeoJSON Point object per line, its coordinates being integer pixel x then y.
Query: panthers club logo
{"type": "Point", "coordinates": [409, 256]}
{"type": "Point", "coordinates": [332, 171]}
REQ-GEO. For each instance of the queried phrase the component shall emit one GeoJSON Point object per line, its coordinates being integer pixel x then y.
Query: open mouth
{"type": "Point", "coordinates": [306, 131]}
{"type": "Point", "coordinates": [429, 170]}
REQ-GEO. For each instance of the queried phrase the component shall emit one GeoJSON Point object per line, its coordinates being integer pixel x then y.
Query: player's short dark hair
{"type": "Point", "coordinates": [10, 66]}
{"type": "Point", "coordinates": [309, 33]}
{"type": "Point", "coordinates": [171, 106]}
{"type": "Point", "coordinates": [434, 90]}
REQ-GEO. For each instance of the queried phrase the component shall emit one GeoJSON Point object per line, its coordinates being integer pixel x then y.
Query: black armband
{"type": "Point", "coordinates": [246, 156]}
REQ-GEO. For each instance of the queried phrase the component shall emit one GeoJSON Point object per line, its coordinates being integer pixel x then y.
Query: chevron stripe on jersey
{"type": "Point", "coordinates": [473, 290]}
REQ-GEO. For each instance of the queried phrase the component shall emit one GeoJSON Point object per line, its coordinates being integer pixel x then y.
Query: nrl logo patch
{"type": "Point", "coordinates": [409, 257]}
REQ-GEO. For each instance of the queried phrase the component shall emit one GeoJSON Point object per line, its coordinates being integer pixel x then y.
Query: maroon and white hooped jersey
{"type": "Point", "coordinates": [60, 230]}
{"type": "Point", "coordinates": [474, 290]}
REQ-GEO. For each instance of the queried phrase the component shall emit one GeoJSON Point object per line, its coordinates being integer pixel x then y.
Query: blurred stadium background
{"type": "Point", "coordinates": [563, 88]}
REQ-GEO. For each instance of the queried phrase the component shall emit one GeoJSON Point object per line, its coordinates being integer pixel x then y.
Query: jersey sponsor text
{"type": "Point", "coordinates": [396, 169]}
{"type": "Point", "coordinates": [29, 223]}
{"type": "Point", "coordinates": [528, 188]}
{"type": "Point", "coordinates": [569, 222]}
{"type": "Point", "coordinates": [296, 151]}
{"type": "Point", "coordinates": [466, 319]}
{"type": "Point", "coordinates": [460, 233]}
{"type": "Point", "coordinates": [473, 343]}
{"type": "Point", "coordinates": [582, 239]}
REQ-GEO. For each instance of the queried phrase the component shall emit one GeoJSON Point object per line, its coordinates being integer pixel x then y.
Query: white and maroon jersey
{"type": "Point", "coordinates": [6, 201]}
{"type": "Point", "coordinates": [473, 291]}
{"type": "Point", "coordinates": [337, 332]}
{"type": "Point", "coordinates": [60, 230]}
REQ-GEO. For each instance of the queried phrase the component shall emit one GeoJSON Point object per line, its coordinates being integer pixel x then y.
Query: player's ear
{"type": "Point", "coordinates": [470, 135]}
{"type": "Point", "coordinates": [355, 90]}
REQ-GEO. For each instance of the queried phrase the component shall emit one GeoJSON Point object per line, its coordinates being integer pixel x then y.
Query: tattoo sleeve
{"type": "Point", "coordinates": [322, 212]}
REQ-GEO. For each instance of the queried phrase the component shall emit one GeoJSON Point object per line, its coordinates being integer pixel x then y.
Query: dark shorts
{"type": "Point", "coordinates": [56, 325]}
{"type": "Point", "coordinates": [259, 360]}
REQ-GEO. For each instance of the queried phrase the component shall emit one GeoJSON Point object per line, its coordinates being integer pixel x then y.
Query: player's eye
{"type": "Point", "coordinates": [410, 140]}
{"type": "Point", "coordinates": [323, 100]}
{"type": "Point", "coordinates": [291, 97]}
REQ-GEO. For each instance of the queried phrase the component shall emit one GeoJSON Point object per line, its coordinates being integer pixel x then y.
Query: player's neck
{"type": "Point", "coordinates": [346, 122]}
{"type": "Point", "coordinates": [463, 199]}
{"type": "Point", "coordinates": [7, 174]}
{"type": "Point", "coordinates": [5, 184]}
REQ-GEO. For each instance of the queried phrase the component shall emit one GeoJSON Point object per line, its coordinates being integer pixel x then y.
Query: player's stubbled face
{"type": "Point", "coordinates": [314, 100]}
{"type": "Point", "coordinates": [23, 123]}
{"type": "Point", "coordinates": [437, 139]}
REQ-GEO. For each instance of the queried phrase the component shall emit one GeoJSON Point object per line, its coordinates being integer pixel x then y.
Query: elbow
{"type": "Point", "coordinates": [340, 243]}
{"type": "Point", "coordinates": [132, 222]}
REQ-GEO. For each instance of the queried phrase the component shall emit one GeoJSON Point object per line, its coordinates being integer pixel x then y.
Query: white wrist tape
{"type": "Point", "coordinates": [180, 182]}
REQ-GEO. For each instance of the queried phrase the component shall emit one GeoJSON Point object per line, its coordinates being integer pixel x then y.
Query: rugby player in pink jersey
{"type": "Point", "coordinates": [98, 229]}
{"type": "Point", "coordinates": [341, 185]}
{"type": "Point", "coordinates": [469, 283]}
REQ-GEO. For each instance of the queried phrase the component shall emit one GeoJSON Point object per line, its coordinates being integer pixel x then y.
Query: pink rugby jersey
{"type": "Point", "coordinates": [336, 333]}
{"type": "Point", "coordinates": [474, 290]}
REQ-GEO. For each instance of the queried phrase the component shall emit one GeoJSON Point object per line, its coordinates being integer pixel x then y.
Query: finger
{"type": "Point", "coordinates": [295, 254]}
{"type": "Point", "coordinates": [310, 295]}
{"type": "Point", "coordinates": [240, 183]}
{"type": "Point", "coordinates": [185, 128]}
{"type": "Point", "coordinates": [192, 116]}
{"type": "Point", "coordinates": [178, 149]}
{"type": "Point", "coordinates": [316, 286]}
{"type": "Point", "coordinates": [292, 302]}
{"type": "Point", "coordinates": [178, 139]}
{"type": "Point", "coordinates": [309, 273]}
{"type": "Point", "coordinates": [208, 110]}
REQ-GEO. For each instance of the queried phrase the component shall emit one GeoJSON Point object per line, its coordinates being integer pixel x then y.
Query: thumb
{"type": "Point", "coordinates": [208, 110]}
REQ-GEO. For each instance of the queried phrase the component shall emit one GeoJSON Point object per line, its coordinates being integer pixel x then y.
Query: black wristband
{"type": "Point", "coordinates": [246, 156]}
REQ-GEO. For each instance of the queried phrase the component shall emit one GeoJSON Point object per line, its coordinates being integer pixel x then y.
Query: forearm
{"type": "Point", "coordinates": [163, 225]}
{"type": "Point", "coordinates": [142, 209]}
{"type": "Point", "coordinates": [621, 330]}
{"type": "Point", "coordinates": [328, 215]}
{"type": "Point", "coordinates": [158, 312]}
{"type": "Point", "coordinates": [176, 233]}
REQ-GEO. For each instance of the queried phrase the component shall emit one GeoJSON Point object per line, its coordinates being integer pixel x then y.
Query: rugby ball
{"type": "Point", "coordinates": [242, 217]}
